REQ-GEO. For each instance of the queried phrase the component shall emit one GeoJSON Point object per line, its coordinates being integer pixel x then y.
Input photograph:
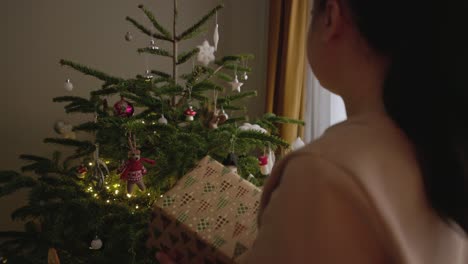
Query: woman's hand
{"type": "Point", "coordinates": [164, 258]}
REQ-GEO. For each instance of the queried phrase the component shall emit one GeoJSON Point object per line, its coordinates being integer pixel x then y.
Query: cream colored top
{"type": "Point", "coordinates": [353, 196]}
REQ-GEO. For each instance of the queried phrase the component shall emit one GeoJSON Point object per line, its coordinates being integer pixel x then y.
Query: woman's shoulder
{"type": "Point", "coordinates": [361, 141]}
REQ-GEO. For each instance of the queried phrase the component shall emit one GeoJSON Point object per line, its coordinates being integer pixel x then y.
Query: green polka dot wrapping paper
{"type": "Point", "coordinates": [209, 216]}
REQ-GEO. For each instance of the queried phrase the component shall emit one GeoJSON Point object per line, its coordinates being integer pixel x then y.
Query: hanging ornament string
{"type": "Point", "coordinates": [152, 44]}
{"type": "Point", "coordinates": [216, 34]}
{"type": "Point", "coordinates": [245, 77]}
{"type": "Point", "coordinates": [148, 74]}
{"type": "Point", "coordinates": [189, 94]}
{"type": "Point", "coordinates": [215, 100]}
{"type": "Point", "coordinates": [99, 170]}
{"type": "Point", "coordinates": [233, 141]}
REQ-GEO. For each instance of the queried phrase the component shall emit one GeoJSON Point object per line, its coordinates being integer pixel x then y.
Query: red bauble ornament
{"type": "Point", "coordinates": [264, 165]}
{"type": "Point", "coordinates": [81, 171]}
{"type": "Point", "coordinates": [190, 113]}
{"type": "Point", "coordinates": [263, 160]}
{"type": "Point", "coordinates": [123, 108]}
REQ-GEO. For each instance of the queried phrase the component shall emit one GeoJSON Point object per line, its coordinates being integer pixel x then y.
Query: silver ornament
{"type": "Point", "coordinates": [64, 129]}
{"type": "Point", "coordinates": [128, 36]}
{"type": "Point", "coordinates": [149, 76]}
{"type": "Point", "coordinates": [246, 77]}
{"type": "Point", "coordinates": [153, 45]}
{"type": "Point", "coordinates": [68, 85]}
{"type": "Point", "coordinates": [223, 112]}
{"type": "Point", "coordinates": [96, 244]}
{"type": "Point", "coordinates": [162, 120]}
{"type": "Point", "coordinates": [236, 85]}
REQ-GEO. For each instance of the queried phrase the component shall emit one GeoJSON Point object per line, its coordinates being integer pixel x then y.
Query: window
{"type": "Point", "coordinates": [323, 108]}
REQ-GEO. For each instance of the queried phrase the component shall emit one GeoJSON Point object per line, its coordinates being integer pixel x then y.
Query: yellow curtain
{"type": "Point", "coordinates": [287, 62]}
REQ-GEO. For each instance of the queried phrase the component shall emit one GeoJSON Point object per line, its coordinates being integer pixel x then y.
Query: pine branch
{"type": "Point", "coordinates": [234, 58]}
{"type": "Point", "coordinates": [161, 74]}
{"type": "Point", "coordinates": [196, 74]}
{"type": "Point", "coordinates": [147, 101]}
{"type": "Point", "coordinates": [231, 98]}
{"type": "Point", "coordinates": [70, 142]}
{"type": "Point", "coordinates": [10, 234]}
{"type": "Point", "coordinates": [156, 24]}
{"type": "Point", "coordinates": [224, 77]}
{"type": "Point", "coordinates": [234, 67]}
{"type": "Point", "coordinates": [206, 86]}
{"type": "Point", "coordinates": [170, 89]}
{"type": "Point", "coordinates": [111, 121]}
{"type": "Point", "coordinates": [163, 80]}
{"type": "Point", "coordinates": [33, 158]}
{"type": "Point", "coordinates": [70, 99]}
{"type": "Point", "coordinates": [264, 138]}
{"type": "Point", "coordinates": [27, 211]}
{"type": "Point", "coordinates": [39, 167]}
{"type": "Point", "coordinates": [105, 91]}
{"type": "Point", "coordinates": [195, 33]}
{"type": "Point", "coordinates": [200, 97]}
{"type": "Point", "coordinates": [234, 108]}
{"type": "Point", "coordinates": [159, 52]}
{"type": "Point", "coordinates": [268, 125]}
{"type": "Point", "coordinates": [282, 120]}
{"type": "Point", "coordinates": [142, 28]}
{"type": "Point", "coordinates": [6, 176]}
{"type": "Point", "coordinates": [185, 56]}
{"type": "Point", "coordinates": [236, 119]}
{"type": "Point", "coordinates": [80, 109]}
{"type": "Point", "coordinates": [199, 24]}
{"type": "Point", "coordinates": [79, 154]}
{"type": "Point", "coordinates": [92, 72]}
{"type": "Point", "coordinates": [146, 31]}
{"type": "Point", "coordinates": [77, 104]}
{"type": "Point", "coordinates": [88, 127]}
{"type": "Point", "coordinates": [160, 128]}
{"type": "Point", "coordinates": [15, 184]}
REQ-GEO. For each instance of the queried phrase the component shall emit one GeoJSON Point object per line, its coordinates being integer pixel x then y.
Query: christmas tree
{"type": "Point", "coordinates": [94, 206]}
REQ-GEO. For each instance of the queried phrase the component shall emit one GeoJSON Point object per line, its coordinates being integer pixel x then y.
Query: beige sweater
{"type": "Point", "coordinates": [354, 196]}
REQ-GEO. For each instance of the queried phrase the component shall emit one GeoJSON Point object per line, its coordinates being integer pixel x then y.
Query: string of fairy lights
{"type": "Point", "coordinates": [113, 193]}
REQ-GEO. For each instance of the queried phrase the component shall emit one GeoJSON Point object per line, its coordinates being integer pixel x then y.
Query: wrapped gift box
{"type": "Point", "coordinates": [208, 217]}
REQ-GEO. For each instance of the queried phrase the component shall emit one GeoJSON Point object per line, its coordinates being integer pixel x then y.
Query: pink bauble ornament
{"type": "Point", "coordinates": [123, 108]}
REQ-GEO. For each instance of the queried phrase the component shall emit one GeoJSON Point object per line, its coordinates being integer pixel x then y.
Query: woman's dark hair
{"type": "Point", "coordinates": [426, 87]}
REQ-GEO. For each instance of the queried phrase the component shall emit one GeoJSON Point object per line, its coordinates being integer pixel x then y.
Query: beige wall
{"type": "Point", "coordinates": [36, 34]}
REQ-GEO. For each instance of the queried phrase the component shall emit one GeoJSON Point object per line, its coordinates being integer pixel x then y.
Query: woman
{"type": "Point", "coordinates": [390, 184]}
